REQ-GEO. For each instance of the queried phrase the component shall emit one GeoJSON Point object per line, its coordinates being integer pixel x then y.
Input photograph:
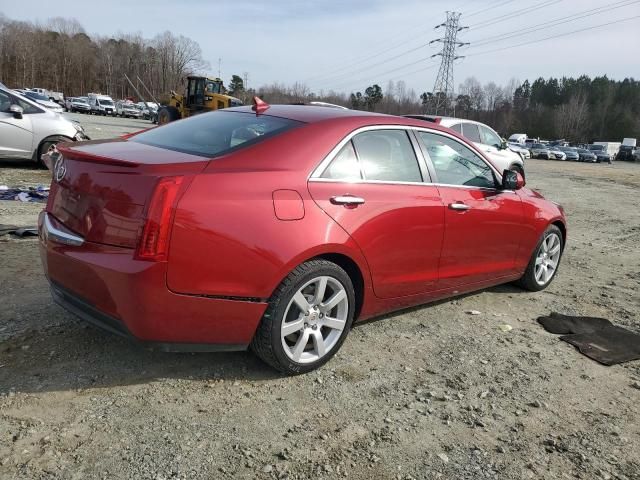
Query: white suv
{"type": "Point", "coordinates": [484, 137]}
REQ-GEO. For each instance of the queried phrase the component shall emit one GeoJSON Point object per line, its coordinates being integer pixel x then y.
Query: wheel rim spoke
{"type": "Point", "coordinates": [298, 349]}
{"type": "Point", "coordinates": [333, 301]}
{"type": "Point", "coordinates": [318, 343]}
{"type": "Point", "coordinates": [292, 327]}
{"type": "Point", "coordinates": [333, 323]}
{"type": "Point", "coordinates": [301, 301]}
{"type": "Point", "coordinates": [321, 288]}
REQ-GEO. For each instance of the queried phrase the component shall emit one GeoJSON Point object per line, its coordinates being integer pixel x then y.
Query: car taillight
{"type": "Point", "coordinates": [155, 234]}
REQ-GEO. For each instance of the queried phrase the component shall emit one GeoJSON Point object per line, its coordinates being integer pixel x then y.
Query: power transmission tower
{"type": "Point", "coordinates": [443, 88]}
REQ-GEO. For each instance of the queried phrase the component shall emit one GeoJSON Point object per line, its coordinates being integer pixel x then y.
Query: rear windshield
{"type": "Point", "coordinates": [214, 133]}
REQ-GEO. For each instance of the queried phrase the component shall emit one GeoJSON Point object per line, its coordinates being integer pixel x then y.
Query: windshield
{"type": "Point", "coordinates": [596, 147]}
{"type": "Point", "coordinates": [105, 102]}
{"type": "Point", "coordinates": [539, 145]}
{"type": "Point", "coordinates": [35, 96]}
{"type": "Point", "coordinates": [212, 134]}
{"type": "Point", "coordinates": [79, 100]}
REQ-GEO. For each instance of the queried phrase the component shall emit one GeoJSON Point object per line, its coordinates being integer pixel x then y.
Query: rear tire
{"type": "Point", "coordinates": [315, 306]}
{"type": "Point", "coordinates": [544, 262]}
{"type": "Point", "coordinates": [168, 114]}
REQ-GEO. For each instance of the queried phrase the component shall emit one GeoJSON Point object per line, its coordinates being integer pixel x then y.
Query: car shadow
{"type": "Point", "coordinates": [75, 356]}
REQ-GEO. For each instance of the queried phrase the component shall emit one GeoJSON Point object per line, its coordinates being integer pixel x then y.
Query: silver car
{"type": "Point", "coordinates": [27, 130]}
{"type": "Point", "coordinates": [539, 150]}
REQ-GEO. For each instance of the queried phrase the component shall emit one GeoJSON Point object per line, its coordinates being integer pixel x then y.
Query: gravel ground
{"type": "Point", "coordinates": [430, 392]}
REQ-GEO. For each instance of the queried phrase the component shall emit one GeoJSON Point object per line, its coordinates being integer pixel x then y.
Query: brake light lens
{"type": "Point", "coordinates": [154, 241]}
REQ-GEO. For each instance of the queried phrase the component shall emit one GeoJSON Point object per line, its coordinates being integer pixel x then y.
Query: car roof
{"type": "Point", "coordinates": [357, 118]}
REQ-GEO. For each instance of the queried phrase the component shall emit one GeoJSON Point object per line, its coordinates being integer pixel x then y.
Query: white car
{"type": "Point", "coordinates": [485, 138]}
{"type": "Point", "coordinates": [519, 149]}
{"type": "Point", "coordinates": [42, 100]}
{"type": "Point", "coordinates": [27, 130]}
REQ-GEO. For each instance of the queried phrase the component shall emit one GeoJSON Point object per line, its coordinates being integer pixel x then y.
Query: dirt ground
{"type": "Point", "coordinates": [431, 392]}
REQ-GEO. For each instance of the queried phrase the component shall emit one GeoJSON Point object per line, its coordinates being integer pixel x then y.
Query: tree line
{"type": "Point", "coordinates": [60, 56]}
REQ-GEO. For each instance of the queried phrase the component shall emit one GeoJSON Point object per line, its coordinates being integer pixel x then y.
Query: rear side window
{"type": "Point", "coordinates": [215, 133]}
{"type": "Point", "coordinates": [387, 155]}
{"type": "Point", "coordinates": [344, 166]}
{"type": "Point", "coordinates": [470, 132]}
{"type": "Point", "coordinates": [457, 127]}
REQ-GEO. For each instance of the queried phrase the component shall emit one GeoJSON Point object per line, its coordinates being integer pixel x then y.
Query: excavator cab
{"type": "Point", "coordinates": [202, 95]}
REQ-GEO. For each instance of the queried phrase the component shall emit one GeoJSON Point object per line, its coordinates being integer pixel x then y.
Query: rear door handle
{"type": "Point", "coordinates": [459, 206]}
{"type": "Point", "coordinates": [348, 200]}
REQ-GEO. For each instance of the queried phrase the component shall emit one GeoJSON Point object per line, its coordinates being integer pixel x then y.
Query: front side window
{"type": "Point", "coordinates": [387, 155]}
{"type": "Point", "coordinates": [489, 137]}
{"type": "Point", "coordinates": [470, 132]}
{"type": "Point", "coordinates": [456, 164]}
{"type": "Point", "coordinates": [215, 133]}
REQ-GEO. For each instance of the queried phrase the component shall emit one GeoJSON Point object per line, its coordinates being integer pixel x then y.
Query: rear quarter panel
{"type": "Point", "coordinates": [226, 238]}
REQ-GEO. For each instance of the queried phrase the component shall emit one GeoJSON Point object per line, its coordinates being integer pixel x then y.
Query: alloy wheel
{"type": "Point", "coordinates": [314, 319]}
{"type": "Point", "coordinates": [547, 258]}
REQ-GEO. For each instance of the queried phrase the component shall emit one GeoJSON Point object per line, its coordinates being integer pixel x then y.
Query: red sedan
{"type": "Point", "coordinates": [277, 227]}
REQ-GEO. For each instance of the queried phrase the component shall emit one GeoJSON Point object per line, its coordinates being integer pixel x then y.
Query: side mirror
{"type": "Point", "coordinates": [512, 180]}
{"type": "Point", "coordinates": [17, 110]}
{"type": "Point", "coordinates": [503, 145]}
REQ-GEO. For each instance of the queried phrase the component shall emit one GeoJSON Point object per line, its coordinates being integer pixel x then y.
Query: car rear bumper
{"type": "Point", "coordinates": [107, 287]}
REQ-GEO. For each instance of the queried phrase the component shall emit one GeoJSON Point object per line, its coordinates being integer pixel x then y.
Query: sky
{"type": "Point", "coordinates": [348, 45]}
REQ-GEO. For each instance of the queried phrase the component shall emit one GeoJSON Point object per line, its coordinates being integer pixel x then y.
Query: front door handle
{"type": "Point", "coordinates": [459, 206]}
{"type": "Point", "coordinates": [347, 200]}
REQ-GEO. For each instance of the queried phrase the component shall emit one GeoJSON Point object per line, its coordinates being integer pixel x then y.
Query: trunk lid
{"type": "Point", "coordinates": [100, 190]}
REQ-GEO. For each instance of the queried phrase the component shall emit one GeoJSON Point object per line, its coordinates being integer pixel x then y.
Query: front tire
{"type": "Point", "coordinates": [308, 317]}
{"type": "Point", "coordinates": [544, 262]}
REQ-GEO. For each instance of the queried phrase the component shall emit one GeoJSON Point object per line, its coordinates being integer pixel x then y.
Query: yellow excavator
{"type": "Point", "coordinates": [202, 95]}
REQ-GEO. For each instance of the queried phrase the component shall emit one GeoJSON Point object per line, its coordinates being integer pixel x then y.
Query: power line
{"type": "Point", "coordinates": [554, 36]}
{"type": "Point", "coordinates": [379, 74]}
{"type": "Point", "coordinates": [553, 23]}
{"type": "Point", "coordinates": [491, 6]}
{"type": "Point", "coordinates": [502, 18]}
{"type": "Point", "coordinates": [358, 61]}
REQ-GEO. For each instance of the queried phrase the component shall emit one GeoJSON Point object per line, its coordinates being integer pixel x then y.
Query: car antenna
{"type": "Point", "coordinates": [259, 105]}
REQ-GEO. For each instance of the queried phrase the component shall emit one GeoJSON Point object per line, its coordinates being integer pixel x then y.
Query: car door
{"type": "Point", "coordinates": [16, 134]}
{"type": "Point", "coordinates": [376, 187]}
{"type": "Point", "coordinates": [483, 224]}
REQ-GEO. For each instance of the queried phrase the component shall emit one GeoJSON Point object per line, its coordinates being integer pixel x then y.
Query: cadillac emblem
{"type": "Point", "coordinates": [59, 168]}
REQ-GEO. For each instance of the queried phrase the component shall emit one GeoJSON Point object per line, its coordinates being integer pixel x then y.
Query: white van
{"type": "Point", "coordinates": [518, 138]}
{"type": "Point", "coordinates": [101, 104]}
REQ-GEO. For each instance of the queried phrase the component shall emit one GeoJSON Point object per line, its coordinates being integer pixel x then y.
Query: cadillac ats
{"type": "Point", "coordinates": [276, 227]}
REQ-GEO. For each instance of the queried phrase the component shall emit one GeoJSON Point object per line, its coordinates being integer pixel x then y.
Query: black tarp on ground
{"type": "Point", "coordinates": [597, 338]}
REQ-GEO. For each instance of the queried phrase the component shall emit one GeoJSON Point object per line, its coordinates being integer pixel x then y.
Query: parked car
{"type": "Point", "coordinates": [27, 129]}
{"type": "Point", "coordinates": [556, 153]}
{"type": "Point", "coordinates": [600, 151]}
{"type": "Point", "coordinates": [570, 153]}
{"type": "Point", "coordinates": [539, 150]}
{"type": "Point", "coordinates": [67, 104]}
{"type": "Point", "coordinates": [484, 137]}
{"type": "Point", "coordinates": [626, 152]}
{"type": "Point", "coordinates": [80, 104]}
{"type": "Point", "coordinates": [358, 213]}
{"type": "Point", "coordinates": [586, 155]}
{"type": "Point", "coordinates": [101, 104]}
{"type": "Point", "coordinates": [42, 100]}
{"type": "Point", "coordinates": [520, 149]}
{"type": "Point", "coordinates": [127, 109]}
{"type": "Point", "coordinates": [149, 109]}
